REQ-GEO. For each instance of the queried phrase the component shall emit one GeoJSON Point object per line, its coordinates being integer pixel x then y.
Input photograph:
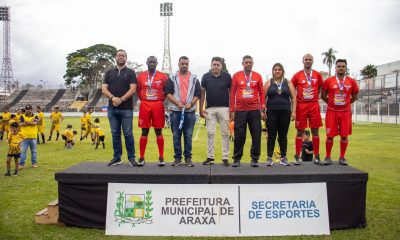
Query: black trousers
{"type": "Point", "coordinates": [253, 119]}
{"type": "Point", "coordinates": [278, 122]}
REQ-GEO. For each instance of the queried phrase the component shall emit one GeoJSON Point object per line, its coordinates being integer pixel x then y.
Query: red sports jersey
{"type": "Point", "coordinates": [337, 100]}
{"type": "Point", "coordinates": [306, 92]}
{"type": "Point", "coordinates": [156, 92]}
{"type": "Point", "coordinates": [244, 98]}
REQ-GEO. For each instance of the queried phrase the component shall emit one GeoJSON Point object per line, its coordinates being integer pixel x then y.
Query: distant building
{"type": "Point", "coordinates": [388, 68]}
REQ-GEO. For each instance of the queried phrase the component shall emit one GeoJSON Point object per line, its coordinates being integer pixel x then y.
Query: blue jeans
{"type": "Point", "coordinates": [32, 143]}
{"type": "Point", "coordinates": [187, 130]}
{"type": "Point", "coordinates": [121, 118]}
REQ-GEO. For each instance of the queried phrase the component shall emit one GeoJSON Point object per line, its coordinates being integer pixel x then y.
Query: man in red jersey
{"type": "Point", "coordinates": [247, 103]}
{"type": "Point", "coordinates": [150, 89]}
{"type": "Point", "coordinates": [339, 92]}
{"type": "Point", "coordinates": [308, 83]}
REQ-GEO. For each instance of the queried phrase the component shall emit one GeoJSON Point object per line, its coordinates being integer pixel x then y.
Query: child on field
{"type": "Point", "coordinates": [99, 134]}
{"type": "Point", "coordinates": [68, 136]}
{"type": "Point", "coordinates": [14, 149]}
{"type": "Point", "coordinates": [307, 148]}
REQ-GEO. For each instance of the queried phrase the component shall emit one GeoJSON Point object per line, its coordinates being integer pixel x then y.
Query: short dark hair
{"type": "Point", "coordinates": [38, 107]}
{"type": "Point", "coordinates": [69, 126]}
{"type": "Point", "coordinates": [96, 120]}
{"type": "Point", "coordinates": [74, 132]}
{"type": "Point", "coordinates": [121, 50]}
{"type": "Point", "coordinates": [57, 108]}
{"type": "Point", "coordinates": [341, 60]}
{"type": "Point", "coordinates": [247, 56]}
{"type": "Point", "coordinates": [218, 59]}
{"type": "Point", "coordinates": [183, 58]}
{"type": "Point", "coordinates": [307, 132]}
{"type": "Point", "coordinates": [14, 124]}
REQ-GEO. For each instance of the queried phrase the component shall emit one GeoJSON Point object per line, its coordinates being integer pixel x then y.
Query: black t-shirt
{"type": "Point", "coordinates": [305, 156]}
{"type": "Point", "coordinates": [217, 89]}
{"type": "Point", "coordinates": [119, 83]}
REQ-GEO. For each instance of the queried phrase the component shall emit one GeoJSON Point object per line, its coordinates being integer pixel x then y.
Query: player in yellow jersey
{"type": "Point", "coordinates": [40, 125]}
{"type": "Point", "coordinates": [18, 115]}
{"type": "Point", "coordinates": [99, 134]}
{"type": "Point", "coordinates": [6, 117]}
{"type": "Point", "coordinates": [83, 125]}
{"type": "Point", "coordinates": [14, 148]}
{"type": "Point", "coordinates": [89, 125]}
{"type": "Point", "coordinates": [68, 136]}
{"type": "Point", "coordinates": [56, 118]}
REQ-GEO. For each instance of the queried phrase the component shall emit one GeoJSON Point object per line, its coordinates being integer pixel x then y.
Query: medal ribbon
{"type": "Point", "coordinates": [341, 85]}
{"type": "Point", "coordinates": [248, 79]}
{"type": "Point", "coordinates": [150, 81]}
{"type": "Point", "coordinates": [309, 79]}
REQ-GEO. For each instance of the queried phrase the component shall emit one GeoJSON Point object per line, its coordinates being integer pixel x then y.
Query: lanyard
{"type": "Point", "coordinates": [309, 79]}
{"type": "Point", "coordinates": [279, 86]}
{"type": "Point", "coordinates": [182, 118]}
{"type": "Point", "coordinates": [248, 79]}
{"type": "Point", "coordinates": [340, 84]}
{"type": "Point", "coordinates": [150, 81]}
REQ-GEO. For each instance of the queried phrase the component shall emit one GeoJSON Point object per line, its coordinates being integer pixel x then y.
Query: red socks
{"type": "Point", "coordinates": [299, 143]}
{"type": "Point", "coordinates": [160, 143]}
{"type": "Point", "coordinates": [315, 142]}
{"type": "Point", "coordinates": [343, 147]}
{"type": "Point", "coordinates": [143, 144]}
{"type": "Point", "coordinates": [329, 144]}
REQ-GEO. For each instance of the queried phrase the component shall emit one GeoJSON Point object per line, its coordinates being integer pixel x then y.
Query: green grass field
{"type": "Point", "coordinates": [373, 148]}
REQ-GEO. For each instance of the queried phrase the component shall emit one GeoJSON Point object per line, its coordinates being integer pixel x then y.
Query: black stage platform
{"type": "Point", "coordinates": [82, 189]}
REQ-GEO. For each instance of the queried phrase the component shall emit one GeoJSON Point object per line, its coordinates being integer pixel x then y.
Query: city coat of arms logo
{"type": "Point", "coordinates": [133, 208]}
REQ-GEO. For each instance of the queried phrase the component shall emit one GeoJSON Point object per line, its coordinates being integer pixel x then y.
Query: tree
{"type": "Point", "coordinates": [369, 71]}
{"type": "Point", "coordinates": [86, 67]}
{"type": "Point", "coordinates": [329, 58]}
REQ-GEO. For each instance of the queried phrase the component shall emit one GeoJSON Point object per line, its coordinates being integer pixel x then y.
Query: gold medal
{"type": "Point", "coordinates": [279, 91]}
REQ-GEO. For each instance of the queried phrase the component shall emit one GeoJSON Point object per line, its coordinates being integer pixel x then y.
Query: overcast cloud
{"type": "Point", "coordinates": [44, 32]}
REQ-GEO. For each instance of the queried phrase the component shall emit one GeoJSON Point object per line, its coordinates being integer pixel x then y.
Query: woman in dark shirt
{"type": "Point", "coordinates": [281, 106]}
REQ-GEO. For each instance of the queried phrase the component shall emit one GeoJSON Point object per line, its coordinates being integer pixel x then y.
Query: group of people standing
{"type": "Point", "coordinates": [243, 99]}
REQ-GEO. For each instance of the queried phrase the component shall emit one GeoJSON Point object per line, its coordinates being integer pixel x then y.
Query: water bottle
{"type": "Point", "coordinates": [182, 118]}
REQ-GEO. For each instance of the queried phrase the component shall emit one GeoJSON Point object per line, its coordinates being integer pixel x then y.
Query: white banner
{"type": "Point", "coordinates": [217, 209]}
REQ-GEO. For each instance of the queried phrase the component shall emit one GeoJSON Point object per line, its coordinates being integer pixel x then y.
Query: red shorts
{"type": "Point", "coordinates": [338, 123]}
{"type": "Point", "coordinates": [308, 111]}
{"type": "Point", "coordinates": [151, 114]}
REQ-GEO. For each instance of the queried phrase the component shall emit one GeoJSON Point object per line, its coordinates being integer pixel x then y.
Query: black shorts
{"type": "Point", "coordinates": [101, 138]}
{"type": "Point", "coordinates": [16, 155]}
{"type": "Point", "coordinates": [64, 137]}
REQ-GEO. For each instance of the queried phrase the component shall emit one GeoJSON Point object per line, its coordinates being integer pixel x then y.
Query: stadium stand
{"type": "Point", "coordinates": [55, 99]}
{"type": "Point", "coordinates": [18, 96]}
{"type": "Point", "coordinates": [77, 106]}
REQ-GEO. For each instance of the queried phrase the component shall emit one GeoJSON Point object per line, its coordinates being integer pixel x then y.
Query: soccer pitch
{"type": "Point", "coordinates": [372, 148]}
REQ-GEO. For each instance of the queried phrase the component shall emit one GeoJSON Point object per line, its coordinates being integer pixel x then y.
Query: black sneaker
{"type": "Point", "coordinates": [284, 162]}
{"type": "Point", "coordinates": [132, 162]}
{"type": "Point", "coordinates": [296, 160]}
{"type": "Point", "coordinates": [254, 163]}
{"type": "Point", "coordinates": [317, 160]}
{"type": "Point", "coordinates": [189, 162]}
{"type": "Point", "coordinates": [236, 163]}
{"type": "Point", "coordinates": [114, 162]}
{"type": "Point", "coordinates": [7, 174]}
{"type": "Point", "coordinates": [270, 162]}
{"type": "Point", "coordinates": [15, 173]}
{"type": "Point", "coordinates": [161, 162]}
{"type": "Point", "coordinates": [342, 161]}
{"type": "Point", "coordinates": [225, 162]}
{"type": "Point", "coordinates": [208, 161]}
{"type": "Point", "coordinates": [141, 162]}
{"type": "Point", "coordinates": [177, 162]}
{"type": "Point", "coordinates": [327, 161]}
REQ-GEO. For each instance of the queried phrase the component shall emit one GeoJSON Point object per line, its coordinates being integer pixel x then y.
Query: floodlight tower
{"type": "Point", "coordinates": [6, 68]}
{"type": "Point", "coordinates": [166, 12]}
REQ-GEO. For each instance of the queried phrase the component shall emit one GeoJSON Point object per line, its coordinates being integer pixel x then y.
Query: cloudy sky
{"type": "Point", "coordinates": [44, 32]}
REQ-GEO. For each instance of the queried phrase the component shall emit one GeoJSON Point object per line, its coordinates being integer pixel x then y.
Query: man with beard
{"type": "Point", "coordinates": [119, 85]}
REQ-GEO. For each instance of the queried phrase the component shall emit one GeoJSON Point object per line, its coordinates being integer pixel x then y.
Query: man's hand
{"type": "Point", "coordinates": [188, 106]}
{"type": "Point", "coordinates": [232, 116]}
{"type": "Point", "coordinates": [116, 101]}
{"type": "Point", "coordinates": [203, 113]}
{"type": "Point", "coordinates": [263, 116]}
